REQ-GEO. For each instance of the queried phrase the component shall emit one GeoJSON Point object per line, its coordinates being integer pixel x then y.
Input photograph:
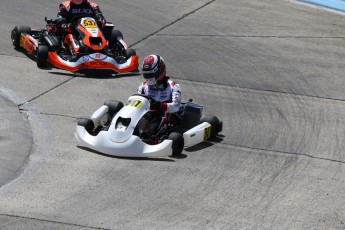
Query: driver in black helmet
{"type": "Point", "coordinates": [157, 85]}
{"type": "Point", "coordinates": [75, 8]}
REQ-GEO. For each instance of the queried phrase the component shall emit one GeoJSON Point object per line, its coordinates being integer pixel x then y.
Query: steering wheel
{"type": "Point", "coordinates": [153, 102]}
{"type": "Point", "coordinates": [151, 99]}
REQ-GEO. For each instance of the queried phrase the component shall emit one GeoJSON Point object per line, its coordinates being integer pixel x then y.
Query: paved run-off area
{"type": "Point", "coordinates": [271, 70]}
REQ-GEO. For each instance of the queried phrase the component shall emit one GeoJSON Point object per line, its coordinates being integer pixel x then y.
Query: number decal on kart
{"type": "Point", "coordinates": [135, 103]}
{"type": "Point", "coordinates": [89, 23]}
{"type": "Point", "coordinates": [207, 133]}
{"type": "Point", "coordinates": [22, 40]}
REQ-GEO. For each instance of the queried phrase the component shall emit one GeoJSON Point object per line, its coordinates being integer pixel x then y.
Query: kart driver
{"type": "Point", "coordinates": [165, 92]}
{"type": "Point", "coordinates": [75, 9]}
{"type": "Point", "coordinates": [79, 8]}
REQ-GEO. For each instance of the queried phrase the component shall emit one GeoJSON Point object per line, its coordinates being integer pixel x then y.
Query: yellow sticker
{"type": "Point", "coordinates": [135, 103]}
{"type": "Point", "coordinates": [207, 133]}
{"type": "Point", "coordinates": [22, 40]}
{"type": "Point", "coordinates": [89, 23]}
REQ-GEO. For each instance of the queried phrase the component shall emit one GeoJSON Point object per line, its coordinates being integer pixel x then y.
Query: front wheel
{"type": "Point", "coordinates": [16, 33]}
{"type": "Point", "coordinates": [178, 143]}
{"type": "Point", "coordinates": [87, 124]}
{"type": "Point", "coordinates": [113, 107]}
{"type": "Point", "coordinates": [42, 56]}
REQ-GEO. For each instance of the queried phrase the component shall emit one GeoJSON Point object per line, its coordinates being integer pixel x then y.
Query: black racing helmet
{"type": "Point", "coordinates": [153, 69]}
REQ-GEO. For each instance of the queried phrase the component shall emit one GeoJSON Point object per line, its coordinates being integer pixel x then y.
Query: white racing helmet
{"type": "Point", "coordinates": [153, 69]}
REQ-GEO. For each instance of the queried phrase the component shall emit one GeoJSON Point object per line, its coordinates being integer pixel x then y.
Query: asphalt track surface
{"type": "Point", "coordinates": [273, 71]}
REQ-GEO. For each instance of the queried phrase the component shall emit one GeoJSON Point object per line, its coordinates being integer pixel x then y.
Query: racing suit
{"type": "Point", "coordinates": [169, 93]}
{"type": "Point", "coordinates": [67, 11]}
{"type": "Point", "coordinates": [168, 96]}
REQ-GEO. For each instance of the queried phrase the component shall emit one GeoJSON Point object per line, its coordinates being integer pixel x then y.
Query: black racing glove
{"type": "Point", "coordinates": [156, 106]}
{"type": "Point", "coordinates": [65, 26]}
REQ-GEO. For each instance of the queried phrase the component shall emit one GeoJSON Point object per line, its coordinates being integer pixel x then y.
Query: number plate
{"type": "Point", "coordinates": [89, 23]}
{"type": "Point", "coordinates": [207, 133]}
{"type": "Point", "coordinates": [135, 103]}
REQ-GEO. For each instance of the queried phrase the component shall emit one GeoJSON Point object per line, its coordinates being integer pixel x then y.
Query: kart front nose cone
{"type": "Point", "coordinates": [133, 147]}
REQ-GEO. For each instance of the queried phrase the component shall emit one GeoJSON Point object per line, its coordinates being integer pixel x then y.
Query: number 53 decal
{"type": "Point", "coordinates": [89, 24]}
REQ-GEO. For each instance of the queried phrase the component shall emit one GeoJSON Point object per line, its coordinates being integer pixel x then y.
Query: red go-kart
{"type": "Point", "coordinates": [84, 47]}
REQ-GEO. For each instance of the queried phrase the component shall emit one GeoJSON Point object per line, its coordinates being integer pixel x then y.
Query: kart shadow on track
{"type": "Point", "coordinates": [127, 158]}
{"type": "Point", "coordinates": [204, 145]}
{"type": "Point", "coordinates": [95, 76]}
{"type": "Point", "coordinates": [32, 58]}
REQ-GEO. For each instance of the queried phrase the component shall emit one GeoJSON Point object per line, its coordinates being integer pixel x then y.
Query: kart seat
{"type": "Point", "coordinates": [53, 41]}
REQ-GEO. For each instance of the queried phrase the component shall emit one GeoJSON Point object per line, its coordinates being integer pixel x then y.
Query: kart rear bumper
{"type": "Point", "coordinates": [95, 61]}
{"type": "Point", "coordinates": [133, 147]}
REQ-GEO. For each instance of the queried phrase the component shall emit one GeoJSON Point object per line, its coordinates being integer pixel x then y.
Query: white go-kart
{"type": "Point", "coordinates": [117, 129]}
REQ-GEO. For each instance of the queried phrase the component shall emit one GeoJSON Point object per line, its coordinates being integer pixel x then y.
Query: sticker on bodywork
{"type": "Point", "coordinates": [135, 103]}
{"type": "Point", "coordinates": [22, 40]}
{"type": "Point", "coordinates": [89, 23]}
{"type": "Point", "coordinates": [207, 133]}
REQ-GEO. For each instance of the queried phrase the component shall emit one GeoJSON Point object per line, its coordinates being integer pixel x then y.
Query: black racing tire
{"type": "Point", "coordinates": [130, 53]}
{"type": "Point", "coordinates": [114, 107]}
{"type": "Point", "coordinates": [42, 56]}
{"type": "Point", "coordinates": [16, 32]}
{"type": "Point", "coordinates": [87, 124]}
{"type": "Point", "coordinates": [114, 35]}
{"type": "Point", "coordinates": [178, 143]}
{"type": "Point", "coordinates": [214, 122]}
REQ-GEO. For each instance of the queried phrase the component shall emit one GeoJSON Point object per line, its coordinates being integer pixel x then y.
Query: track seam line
{"type": "Point", "coordinates": [45, 92]}
{"type": "Point", "coordinates": [173, 22]}
{"type": "Point", "coordinates": [281, 152]}
{"type": "Point", "coordinates": [52, 221]}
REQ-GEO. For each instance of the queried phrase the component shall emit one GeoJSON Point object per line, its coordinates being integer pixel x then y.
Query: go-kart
{"type": "Point", "coordinates": [82, 48]}
{"type": "Point", "coordinates": [115, 129]}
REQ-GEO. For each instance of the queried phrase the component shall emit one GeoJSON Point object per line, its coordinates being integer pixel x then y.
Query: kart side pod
{"type": "Point", "coordinates": [198, 134]}
{"type": "Point", "coordinates": [99, 117]}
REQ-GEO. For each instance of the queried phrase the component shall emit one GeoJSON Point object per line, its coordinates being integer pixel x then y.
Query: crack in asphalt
{"type": "Point", "coordinates": [45, 92]}
{"type": "Point", "coordinates": [281, 152]}
{"type": "Point", "coordinates": [54, 222]}
{"type": "Point", "coordinates": [173, 22]}
{"type": "Point", "coordinates": [50, 114]}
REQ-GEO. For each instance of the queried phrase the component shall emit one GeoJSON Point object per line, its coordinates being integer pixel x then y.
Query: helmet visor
{"type": "Point", "coordinates": [151, 80]}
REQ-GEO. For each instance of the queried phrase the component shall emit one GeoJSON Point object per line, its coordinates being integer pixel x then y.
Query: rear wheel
{"type": "Point", "coordinates": [16, 33]}
{"type": "Point", "coordinates": [87, 124]}
{"type": "Point", "coordinates": [178, 143]}
{"type": "Point", "coordinates": [214, 122]}
{"type": "Point", "coordinates": [114, 107]}
{"type": "Point", "coordinates": [42, 56]}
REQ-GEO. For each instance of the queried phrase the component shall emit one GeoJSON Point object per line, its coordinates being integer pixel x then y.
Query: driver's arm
{"type": "Point", "coordinates": [174, 105]}
{"type": "Point", "coordinates": [62, 16]}
{"type": "Point", "coordinates": [141, 89]}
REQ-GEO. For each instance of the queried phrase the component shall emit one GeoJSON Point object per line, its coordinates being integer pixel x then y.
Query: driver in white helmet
{"type": "Point", "coordinates": [165, 92]}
